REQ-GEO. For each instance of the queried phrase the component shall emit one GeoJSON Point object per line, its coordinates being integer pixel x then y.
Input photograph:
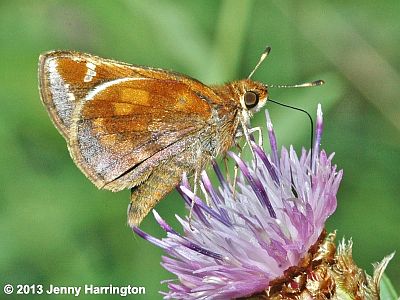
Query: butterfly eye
{"type": "Point", "coordinates": [250, 99]}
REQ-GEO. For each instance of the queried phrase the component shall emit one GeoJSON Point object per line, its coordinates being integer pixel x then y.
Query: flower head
{"type": "Point", "coordinates": [248, 237]}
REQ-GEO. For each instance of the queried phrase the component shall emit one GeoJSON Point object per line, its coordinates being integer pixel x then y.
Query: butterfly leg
{"type": "Point", "coordinates": [202, 158]}
{"type": "Point", "coordinates": [247, 135]}
{"type": "Point", "coordinates": [206, 196]}
{"type": "Point", "coordinates": [235, 176]}
{"type": "Point", "coordinates": [260, 141]}
{"type": "Point", "coordinates": [195, 185]}
{"type": "Point", "coordinates": [260, 136]}
{"type": "Point", "coordinates": [228, 178]}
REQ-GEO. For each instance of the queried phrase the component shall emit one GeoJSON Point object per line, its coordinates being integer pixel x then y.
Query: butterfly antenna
{"type": "Point", "coordinates": [306, 84]}
{"type": "Point", "coordinates": [301, 85]}
{"type": "Point", "coordinates": [262, 58]}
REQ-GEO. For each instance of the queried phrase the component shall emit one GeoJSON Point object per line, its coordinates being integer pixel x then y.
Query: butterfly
{"type": "Point", "coordinates": [139, 128]}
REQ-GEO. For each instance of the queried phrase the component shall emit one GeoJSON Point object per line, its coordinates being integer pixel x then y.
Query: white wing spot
{"type": "Point", "coordinates": [71, 96]}
{"type": "Point", "coordinates": [90, 73]}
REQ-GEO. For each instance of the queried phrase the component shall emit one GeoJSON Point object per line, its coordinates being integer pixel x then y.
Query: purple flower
{"type": "Point", "coordinates": [247, 238]}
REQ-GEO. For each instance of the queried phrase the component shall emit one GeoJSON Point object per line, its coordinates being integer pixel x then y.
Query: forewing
{"type": "Point", "coordinates": [123, 122]}
{"type": "Point", "coordinates": [67, 77]}
{"type": "Point", "coordinates": [114, 116]}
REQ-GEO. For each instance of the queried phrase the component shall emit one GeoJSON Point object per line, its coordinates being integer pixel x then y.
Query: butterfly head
{"type": "Point", "coordinates": [252, 95]}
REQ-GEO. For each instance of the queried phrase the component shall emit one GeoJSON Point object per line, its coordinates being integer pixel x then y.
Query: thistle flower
{"type": "Point", "coordinates": [266, 238]}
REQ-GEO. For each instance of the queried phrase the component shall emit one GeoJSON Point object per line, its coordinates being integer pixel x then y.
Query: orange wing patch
{"type": "Point", "coordinates": [120, 125]}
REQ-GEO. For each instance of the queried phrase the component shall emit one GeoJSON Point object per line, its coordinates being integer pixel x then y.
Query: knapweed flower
{"type": "Point", "coordinates": [266, 238]}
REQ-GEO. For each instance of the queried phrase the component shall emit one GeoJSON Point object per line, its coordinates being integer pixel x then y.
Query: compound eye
{"type": "Point", "coordinates": [250, 99]}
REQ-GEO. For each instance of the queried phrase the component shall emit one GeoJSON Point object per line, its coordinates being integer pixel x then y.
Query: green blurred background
{"type": "Point", "coordinates": [57, 228]}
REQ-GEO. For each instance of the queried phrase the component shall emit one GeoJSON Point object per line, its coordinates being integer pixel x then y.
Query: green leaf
{"type": "Point", "coordinates": [387, 289]}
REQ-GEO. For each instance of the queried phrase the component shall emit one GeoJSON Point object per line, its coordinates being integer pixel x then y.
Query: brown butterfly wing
{"type": "Point", "coordinates": [126, 123]}
{"type": "Point", "coordinates": [116, 116]}
{"type": "Point", "coordinates": [66, 77]}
